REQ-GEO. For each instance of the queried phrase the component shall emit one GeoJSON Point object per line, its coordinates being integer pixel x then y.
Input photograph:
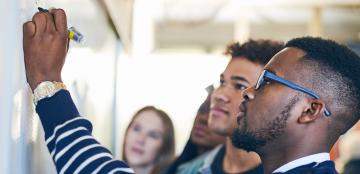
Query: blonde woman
{"type": "Point", "coordinates": [149, 143]}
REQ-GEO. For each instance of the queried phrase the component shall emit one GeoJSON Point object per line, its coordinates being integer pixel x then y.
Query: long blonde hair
{"type": "Point", "coordinates": [167, 149]}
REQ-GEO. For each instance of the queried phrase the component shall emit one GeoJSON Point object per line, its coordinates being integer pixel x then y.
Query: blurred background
{"type": "Point", "coordinates": [146, 52]}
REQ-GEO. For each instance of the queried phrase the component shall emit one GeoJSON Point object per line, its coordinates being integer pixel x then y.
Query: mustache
{"type": "Point", "coordinates": [243, 106]}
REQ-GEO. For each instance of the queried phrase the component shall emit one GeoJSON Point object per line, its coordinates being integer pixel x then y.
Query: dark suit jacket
{"type": "Point", "coordinates": [326, 167]}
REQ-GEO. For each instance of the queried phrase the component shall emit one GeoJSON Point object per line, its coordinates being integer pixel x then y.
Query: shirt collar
{"type": "Point", "coordinates": [318, 158]}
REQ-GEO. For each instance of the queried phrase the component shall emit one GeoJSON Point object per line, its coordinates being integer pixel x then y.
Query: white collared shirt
{"type": "Point", "coordinates": [318, 158]}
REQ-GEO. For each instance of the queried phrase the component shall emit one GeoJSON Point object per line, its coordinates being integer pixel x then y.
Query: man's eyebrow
{"type": "Point", "coordinates": [240, 78]}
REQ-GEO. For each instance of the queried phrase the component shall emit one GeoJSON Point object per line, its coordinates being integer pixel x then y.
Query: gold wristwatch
{"type": "Point", "coordinates": [46, 89]}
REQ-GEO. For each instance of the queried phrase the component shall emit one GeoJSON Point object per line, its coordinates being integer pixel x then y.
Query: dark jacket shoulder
{"type": "Point", "coordinates": [326, 167]}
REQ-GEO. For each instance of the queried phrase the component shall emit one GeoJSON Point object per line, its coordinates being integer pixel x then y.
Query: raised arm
{"type": "Point", "coordinates": [67, 134]}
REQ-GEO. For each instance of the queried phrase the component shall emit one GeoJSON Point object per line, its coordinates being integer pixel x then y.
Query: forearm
{"type": "Point", "coordinates": [69, 140]}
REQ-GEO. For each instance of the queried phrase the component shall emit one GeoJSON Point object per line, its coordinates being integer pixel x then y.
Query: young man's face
{"type": "Point", "coordinates": [239, 74]}
{"type": "Point", "coordinates": [202, 135]}
{"type": "Point", "coordinates": [265, 115]}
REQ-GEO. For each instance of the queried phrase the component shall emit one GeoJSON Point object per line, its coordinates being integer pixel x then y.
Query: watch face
{"type": "Point", "coordinates": [47, 89]}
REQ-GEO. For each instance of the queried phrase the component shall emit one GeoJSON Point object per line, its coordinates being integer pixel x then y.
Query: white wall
{"type": "Point", "coordinates": [174, 82]}
{"type": "Point", "coordinates": [11, 76]}
{"type": "Point", "coordinates": [22, 147]}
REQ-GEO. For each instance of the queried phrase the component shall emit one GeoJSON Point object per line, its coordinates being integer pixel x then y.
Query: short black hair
{"type": "Point", "coordinates": [339, 71]}
{"type": "Point", "coordinates": [258, 51]}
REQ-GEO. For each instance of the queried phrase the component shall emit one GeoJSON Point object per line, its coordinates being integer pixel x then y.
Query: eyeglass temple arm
{"type": "Point", "coordinates": [296, 87]}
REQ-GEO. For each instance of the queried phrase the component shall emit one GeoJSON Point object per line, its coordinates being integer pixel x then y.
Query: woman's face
{"type": "Point", "coordinates": [144, 139]}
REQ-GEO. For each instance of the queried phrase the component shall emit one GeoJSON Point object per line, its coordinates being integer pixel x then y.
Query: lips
{"type": "Point", "coordinates": [242, 107]}
{"type": "Point", "coordinates": [219, 110]}
{"type": "Point", "coordinates": [200, 130]}
{"type": "Point", "coordinates": [137, 150]}
{"type": "Point", "coordinates": [240, 116]}
{"type": "Point", "coordinates": [242, 112]}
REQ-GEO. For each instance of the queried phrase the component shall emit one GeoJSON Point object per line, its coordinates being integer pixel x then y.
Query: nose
{"type": "Point", "coordinates": [220, 95]}
{"type": "Point", "coordinates": [249, 93]}
{"type": "Point", "coordinates": [140, 139]}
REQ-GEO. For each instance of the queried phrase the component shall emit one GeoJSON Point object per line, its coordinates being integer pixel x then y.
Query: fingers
{"type": "Point", "coordinates": [39, 20]}
{"type": "Point", "coordinates": [50, 25]}
{"type": "Point", "coordinates": [53, 20]}
{"type": "Point", "coordinates": [44, 21]}
{"type": "Point", "coordinates": [59, 19]}
{"type": "Point", "coordinates": [29, 29]}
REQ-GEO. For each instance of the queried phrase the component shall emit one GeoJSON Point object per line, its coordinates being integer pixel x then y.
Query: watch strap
{"type": "Point", "coordinates": [47, 89]}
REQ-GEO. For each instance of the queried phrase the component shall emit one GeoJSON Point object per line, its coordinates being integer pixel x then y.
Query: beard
{"type": "Point", "coordinates": [253, 140]}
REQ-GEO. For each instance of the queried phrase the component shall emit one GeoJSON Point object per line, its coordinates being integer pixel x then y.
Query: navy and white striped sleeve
{"type": "Point", "coordinates": [69, 140]}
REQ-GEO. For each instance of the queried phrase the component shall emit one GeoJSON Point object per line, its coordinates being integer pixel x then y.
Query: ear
{"type": "Point", "coordinates": [313, 110]}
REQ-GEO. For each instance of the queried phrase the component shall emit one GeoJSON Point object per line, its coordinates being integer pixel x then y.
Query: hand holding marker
{"type": "Point", "coordinates": [73, 33]}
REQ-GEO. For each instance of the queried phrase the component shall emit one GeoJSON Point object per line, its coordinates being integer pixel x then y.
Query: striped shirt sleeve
{"type": "Point", "coordinates": [69, 140]}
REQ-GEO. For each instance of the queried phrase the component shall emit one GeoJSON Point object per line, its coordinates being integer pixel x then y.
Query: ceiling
{"type": "Point", "coordinates": [208, 25]}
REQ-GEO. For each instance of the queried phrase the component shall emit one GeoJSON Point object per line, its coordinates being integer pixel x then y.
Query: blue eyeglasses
{"type": "Point", "coordinates": [270, 76]}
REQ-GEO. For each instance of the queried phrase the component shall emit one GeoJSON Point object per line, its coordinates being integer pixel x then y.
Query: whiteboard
{"type": "Point", "coordinates": [22, 141]}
